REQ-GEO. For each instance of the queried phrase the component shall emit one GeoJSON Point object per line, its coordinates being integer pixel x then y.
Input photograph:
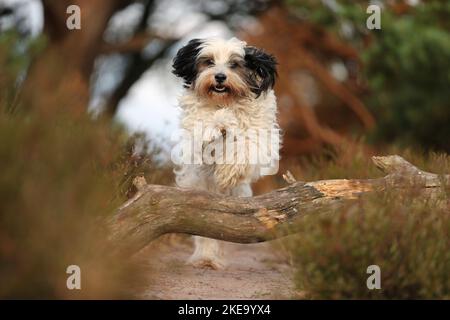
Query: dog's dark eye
{"type": "Point", "coordinates": [209, 62]}
{"type": "Point", "coordinates": [234, 65]}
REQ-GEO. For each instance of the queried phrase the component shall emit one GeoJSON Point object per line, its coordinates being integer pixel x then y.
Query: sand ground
{"type": "Point", "coordinates": [254, 271]}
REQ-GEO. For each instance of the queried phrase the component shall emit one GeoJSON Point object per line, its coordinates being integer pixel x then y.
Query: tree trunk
{"type": "Point", "coordinates": [156, 210]}
{"type": "Point", "coordinates": [59, 78]}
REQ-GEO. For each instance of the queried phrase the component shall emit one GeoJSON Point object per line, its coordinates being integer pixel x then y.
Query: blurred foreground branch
{"type": "Point", "coordinates": [156, 210]}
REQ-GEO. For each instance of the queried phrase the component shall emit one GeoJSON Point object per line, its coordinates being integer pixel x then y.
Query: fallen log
{"type": "Point", "coordinates": [156, 210]}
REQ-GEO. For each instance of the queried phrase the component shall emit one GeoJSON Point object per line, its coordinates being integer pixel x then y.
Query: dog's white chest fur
{"type": "Point", "coordinates": [258, 115]}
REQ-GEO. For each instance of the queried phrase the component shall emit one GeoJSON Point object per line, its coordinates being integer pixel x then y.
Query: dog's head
{"type": "Point", "coordinates": [225, 70]}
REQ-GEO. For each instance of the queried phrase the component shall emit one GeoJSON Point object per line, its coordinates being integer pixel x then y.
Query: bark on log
{"type": "Point", "coordinates": [156, 210]}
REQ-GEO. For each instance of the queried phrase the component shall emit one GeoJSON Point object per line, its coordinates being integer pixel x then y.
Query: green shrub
{"type": "Point", "coordinates": [404, 232]}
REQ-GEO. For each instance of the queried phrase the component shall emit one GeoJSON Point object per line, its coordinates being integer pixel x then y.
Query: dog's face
{"type": "Point", "coordinates": [224, 71]}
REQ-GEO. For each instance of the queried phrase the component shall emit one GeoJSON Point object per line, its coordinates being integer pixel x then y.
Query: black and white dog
{"type": "Point", "coordinates": [229, 93]}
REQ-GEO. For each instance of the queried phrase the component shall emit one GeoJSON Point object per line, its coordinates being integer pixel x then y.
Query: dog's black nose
{"type": "Point", "coordinates": [220, 77]}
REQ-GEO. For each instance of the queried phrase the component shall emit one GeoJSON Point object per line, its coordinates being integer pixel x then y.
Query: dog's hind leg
{"type": "Point", "coordinates": [207, 254]}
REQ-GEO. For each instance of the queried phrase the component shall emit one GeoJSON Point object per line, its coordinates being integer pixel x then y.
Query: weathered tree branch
{"type": "Point", "coordinates": [156, 210]}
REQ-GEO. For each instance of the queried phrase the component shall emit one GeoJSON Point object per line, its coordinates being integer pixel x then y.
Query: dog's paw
{"type": "Point", "coordinates": [213, 133]}
{"type": "Point", "coordinates": [216, 129]}
{"type": "Point", "coordinates": [207, 263]}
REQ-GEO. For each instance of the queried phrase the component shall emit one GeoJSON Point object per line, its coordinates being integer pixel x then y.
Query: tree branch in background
{"type": "Point", "coordinates": [156, 210]}
{"type": "Point", "coordinates": [338, 89]}
{"type": "Point", "coordinates": [65, 66]}
{"type": "Point", "coordinates": [136, 44]}
{"type": "Point", "coordinates": [304, 47]}
{"type": "Point", "coordinates": [137, 66]}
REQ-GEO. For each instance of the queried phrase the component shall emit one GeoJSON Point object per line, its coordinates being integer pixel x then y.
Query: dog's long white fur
{"type": "Point", "coordinates": [230, 179]}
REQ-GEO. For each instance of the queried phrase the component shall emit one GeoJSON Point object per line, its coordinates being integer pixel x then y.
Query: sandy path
{"type": "Point", "coordinates": [254, 272]}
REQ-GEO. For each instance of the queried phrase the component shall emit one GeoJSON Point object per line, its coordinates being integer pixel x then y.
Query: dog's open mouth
{"type": "Point", "coordinates": [218, 88]}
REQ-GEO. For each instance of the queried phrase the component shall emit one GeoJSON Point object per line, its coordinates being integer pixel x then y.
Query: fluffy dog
{"type": "Point", "coordinates": [229, 92]}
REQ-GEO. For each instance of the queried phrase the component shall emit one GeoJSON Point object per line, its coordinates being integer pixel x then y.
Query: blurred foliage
{"type": "Point", "coordinates": [15, 57]}
{"type": "Point", "coordinates": [61, 176]}
{"type": "Point", "coordinates": [403, 232]}
{"type": "Point", "coordinates": [406, 64]}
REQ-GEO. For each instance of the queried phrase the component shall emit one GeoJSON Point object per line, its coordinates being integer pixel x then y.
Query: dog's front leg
{"type": "Point", "coordinates": [208, 252]}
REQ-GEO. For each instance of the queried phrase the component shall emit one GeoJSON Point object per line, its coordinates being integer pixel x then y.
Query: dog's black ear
{"type": "Point", "coordinates": [263, 67]}
{"type": "Point", "coordinates": [184, 63]}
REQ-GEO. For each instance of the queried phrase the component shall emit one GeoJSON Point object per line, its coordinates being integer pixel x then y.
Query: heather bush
{"type": "Point", "coordinates": [61, 176]}
{"type": "Point", "coordinates": [404, 232]}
